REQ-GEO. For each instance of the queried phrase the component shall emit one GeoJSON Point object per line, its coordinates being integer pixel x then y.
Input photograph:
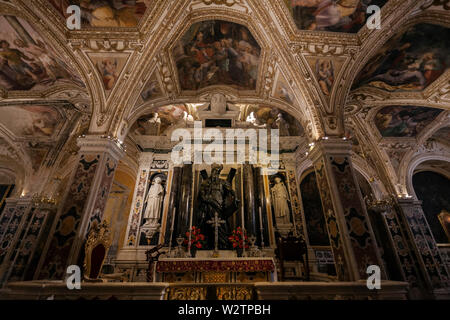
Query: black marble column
{"type": "Point", "coordinates": [173, 205]}
{"type": "Point", "coordinates": [261, 203]}
{"type": "Point", "coordinates": [184, 200]}
{"type": "Point", "coordinates": [250, 208]}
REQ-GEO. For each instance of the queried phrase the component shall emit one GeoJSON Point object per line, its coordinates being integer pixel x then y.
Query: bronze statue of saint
{"type": "Point", "coordinates": [216, 195]}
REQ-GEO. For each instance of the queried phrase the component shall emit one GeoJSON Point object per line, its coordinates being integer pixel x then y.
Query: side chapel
{"type": "Point", "coordinates": [353, 172]}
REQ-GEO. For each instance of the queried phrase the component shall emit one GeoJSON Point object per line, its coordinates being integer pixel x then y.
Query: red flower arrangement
{"type": "Point", "coordinates": [197, 239]}
{"type": "Point", "coordinates": [239, 239]}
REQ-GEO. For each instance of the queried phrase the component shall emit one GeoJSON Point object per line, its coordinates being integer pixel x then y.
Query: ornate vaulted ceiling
{"type": "Point", "coordinates": [314, 60]}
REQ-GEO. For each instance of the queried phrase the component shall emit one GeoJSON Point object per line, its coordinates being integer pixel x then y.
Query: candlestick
{"type": "Point", "coordinates": [171, 231]}
{"type": "Point", "coordinates": [261, 227]}
{"type": "Point", "coordinates": [243, 232]}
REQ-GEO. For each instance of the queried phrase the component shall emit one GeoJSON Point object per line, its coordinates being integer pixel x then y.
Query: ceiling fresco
{"type": "Point", "coordinates": [274, 118]}
{"type": "Point", "coordinates": [109, 66]}
{"type": "Point", "coordinates": [410, 62]}
{"type": "Point", "coordinates": [283, 91]}
{"type": "Point", "coordinates": [217, 52]}
{"type": "Point", "coordinates": [151, 90]}
{"type": "Point", "coordinates": [27, 61]}
{"type": "Point", "coordinates": [331, 15]}
{"type": "Point", "coordinates": [404, 121]}
{"type": "Point", "coordinates": [31, 121]}
{"type": "Point", "coordinates": [106, 13]}
{"type": "Point", "coordinates": [161, 120]}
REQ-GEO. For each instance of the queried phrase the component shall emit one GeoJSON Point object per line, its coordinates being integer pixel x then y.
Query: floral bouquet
{"type": "Point", "coordinates": [239, 239]}
{"type": "Point", "coordinates": [195, 237]}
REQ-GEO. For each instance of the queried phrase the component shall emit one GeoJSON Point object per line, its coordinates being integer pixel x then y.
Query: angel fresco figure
{"type": "Point", "coordinates": [216, 196]}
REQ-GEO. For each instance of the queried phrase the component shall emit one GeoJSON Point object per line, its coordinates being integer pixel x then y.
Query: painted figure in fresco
{"type": "Point", "coordinates": [154, 201]}
{"type": "Point", "coordinates": [325, 75]}
{"type": "Point", "coordinates": [35, 120]}
{"type": "Point", "coordinates": [150, 90]}
{"type": "Point", "coordinates": [148, 126]}
{"type": "Point", "coordinates": [162, 120]}
{"type": "Point", "coordinates": [219, 53]}
{"type": "Point", "coordinates": [273, 118]}
{"type": "Point", "coordinates": [54, 68]}
{"type": "Point", "coordinates": [404, 121]}
{"type": "Point", "coordinates": [398, 77]}
{"type": "Point", "coordinates": [106, 13]}
{"type": "Point", "coordinates": [111, 13]}
{"type": "Point", "coordinates": [17, 61]}
{"type": "Point", "coordinates": [108, 69]}
{"type": "Point", "coordinates": [216, 195]}
{"type": "Point", "coordinates": [284, 93]}
{"type": "Point", "coordinates": [25, 61]}
{"type": "Point", "coordinates": [280, 198]}
{"type": "Point", "coordinates": [331, 15]}
{"type": "Point", "coordinates": [402, 125]}
{"type": "Point", "coordinates": [410, 62]}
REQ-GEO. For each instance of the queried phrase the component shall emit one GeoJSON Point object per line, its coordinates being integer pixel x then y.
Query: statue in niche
{"type": "Point", "coordinates": [154, 201]}
{"type": "Point", "coordinates": [280, 199]}
{"type": "Point", "coordinates": [216, 195]}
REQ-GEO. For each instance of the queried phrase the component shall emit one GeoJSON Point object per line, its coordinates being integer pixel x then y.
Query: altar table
{"type": "Point", "coordinates": [215, 270]}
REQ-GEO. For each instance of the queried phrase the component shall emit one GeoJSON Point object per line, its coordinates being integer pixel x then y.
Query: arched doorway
{"type": "Point", "coordinates": [433, 189]}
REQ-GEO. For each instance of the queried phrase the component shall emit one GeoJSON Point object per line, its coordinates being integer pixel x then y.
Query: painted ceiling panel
{"type": "Point", "coordinates": [217, 52]}
{"type": "Point", "coordinates": [106, 13]}
{"type": "Point", "coordinates": [404, 121]}
{"type": "Point", "coordinates": [27, 61]}
{"type": "Point", "coordinates": [31, 121]}
{"type": "Point", "coordinates": [329, 15]}
{"type": "Point", "coordinates": [409, 62]}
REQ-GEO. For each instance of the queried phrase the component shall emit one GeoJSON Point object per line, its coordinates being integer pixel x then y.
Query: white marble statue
{"type": "Point", "coordinates": [154, 200]}
{"type": "Point", "coordinates": [282, 125]}
{"type": "Point", "coordinates": [280, 200]}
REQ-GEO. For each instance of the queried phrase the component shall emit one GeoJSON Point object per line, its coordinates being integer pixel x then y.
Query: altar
{"type": "Point", "coordinates": [215, 270]}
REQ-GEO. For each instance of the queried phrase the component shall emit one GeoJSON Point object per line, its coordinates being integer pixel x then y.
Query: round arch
{"type": "Point", "coordinates": [406, 174]}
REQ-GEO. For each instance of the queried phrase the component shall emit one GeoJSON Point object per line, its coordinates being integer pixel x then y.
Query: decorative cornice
{"type": "Point", "coordinates": [330, 146]}
{"type": "Point", "coordinates": [101, 144]}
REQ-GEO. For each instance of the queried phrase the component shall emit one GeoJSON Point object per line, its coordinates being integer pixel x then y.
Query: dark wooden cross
{"type": "Point", "coordinates": [216, 222]}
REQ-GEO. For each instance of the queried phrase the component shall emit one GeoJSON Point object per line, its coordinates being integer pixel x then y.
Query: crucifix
{"type": "Point", "coordinates": [216, 222]}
